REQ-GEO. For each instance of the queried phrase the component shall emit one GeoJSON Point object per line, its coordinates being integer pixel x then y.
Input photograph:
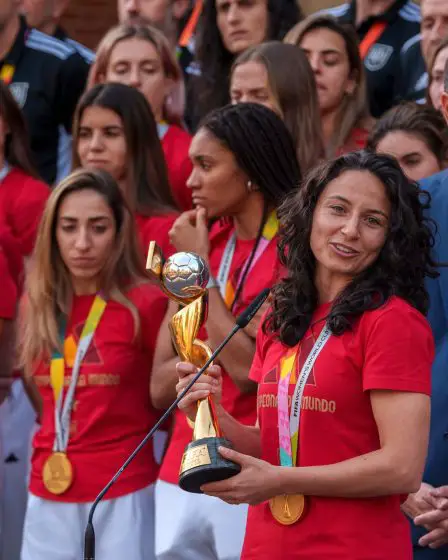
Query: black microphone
{"type": "Point", "coordinates": [241, 322]}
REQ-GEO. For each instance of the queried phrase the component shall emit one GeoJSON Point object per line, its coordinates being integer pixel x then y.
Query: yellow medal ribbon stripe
{"type": "Point", "coordinates": [7, 73]}
{"type": "Point", "coordinates": [57, 365]}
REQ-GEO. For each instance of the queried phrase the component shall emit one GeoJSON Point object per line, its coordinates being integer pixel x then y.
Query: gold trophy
{"type": "Point", "coordinates": [183, 277]}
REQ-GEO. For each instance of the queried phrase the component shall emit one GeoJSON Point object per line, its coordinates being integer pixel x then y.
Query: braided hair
{"type": "Point", "coordinates": [263, 149]}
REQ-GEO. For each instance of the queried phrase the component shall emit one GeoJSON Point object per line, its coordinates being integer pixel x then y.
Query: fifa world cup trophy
{"type": "Point", "coordinates": [183, 277]}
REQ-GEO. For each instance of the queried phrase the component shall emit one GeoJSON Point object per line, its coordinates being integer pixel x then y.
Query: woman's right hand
{"type": "Point", "coordinates": [207, 385]}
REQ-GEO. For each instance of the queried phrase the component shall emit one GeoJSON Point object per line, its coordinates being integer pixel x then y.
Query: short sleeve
{"type": "Point", "coordinates": [152, 313]}
{"type": "Point", "coordinates": [261, 344]}
{"type": "Point", "coordinates": [9, 291]}
{"type": "Point", "coordinates": [28, 210]}
{"type": "Point", "coordinates": [399, 350]}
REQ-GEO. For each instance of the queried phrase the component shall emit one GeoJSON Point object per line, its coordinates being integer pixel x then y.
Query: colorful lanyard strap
{"type": "Point", "coordinates": [4, 171]}
{"type": "Point", "coordinates": [63, 407]}
{"type": "Point", "coordinates": [7, 73]}
{"type": "Point", "coordinates": [191, 25]}
{"type": "Point", "coordinates": [371, 38]}
{"type": "Point", "coordinates": [226, 288]}
{"type": "Point", "coordinates": [162, 129]}
{"type": "Point", "coordinates": [289, 422]}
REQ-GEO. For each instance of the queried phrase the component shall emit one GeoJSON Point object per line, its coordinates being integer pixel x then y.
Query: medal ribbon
{"type": "Point", "coordinates": [226, 288]}
{"type": "Point", "coordinates": [289, 423]}
{"type": "Point", "coordinates": [7, 73]}
{"type": "Point", "coordinates": [63, 412]}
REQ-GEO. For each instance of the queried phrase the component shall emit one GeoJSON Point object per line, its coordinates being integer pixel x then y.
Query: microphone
{"type": "Point", "coordinates": [241, 322]}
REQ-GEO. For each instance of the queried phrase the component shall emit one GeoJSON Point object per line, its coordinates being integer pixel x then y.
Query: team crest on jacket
{"type": "Point", "coordinates": [19, 91]}
{"type": "Point", "coordinates": [378, 57]}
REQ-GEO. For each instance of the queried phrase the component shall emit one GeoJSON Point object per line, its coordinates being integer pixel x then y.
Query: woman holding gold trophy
{"type": "Point", "coordinates": [343, 367]}
{"type": "Point", "coordinates": [244, 164]}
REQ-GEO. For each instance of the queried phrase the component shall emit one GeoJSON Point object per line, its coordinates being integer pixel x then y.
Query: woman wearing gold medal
{"type": "Point", "coordinates": [89, 325]}
{"type": "Point", "coordinates": [343, 370]}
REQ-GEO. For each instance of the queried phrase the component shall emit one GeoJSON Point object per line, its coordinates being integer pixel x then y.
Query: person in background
{"type": "Point", "coordinates": [427, 508]}
{"type": "Point", "coordinates": [140, 56]}
{"type": "Point", "coordinates": [159, 13]}
{"type": "Point", "coordinates": [226, 29]}
{"type": "Point", "coordinates": [383, 27]}
{"type": "Point", "coordinates": [415, 136]}
{"type": "Point", "coordinates": [114, 129]}
{"type": "Point", "coordinates": [45, 15]}
{"type": "Point", "coordinates": [436, 71]}
{"type": "Point", "coordinates": [347, 349]}
{"type": "Point", "coordinates": [332, 51]}
{"type": "Point", "coordinates": [46, 77]}
{"type": "Point", "coordinates": [22, 194]}
{"type": "Point", "coordinates": [88, 289]}
{"type": "Point", "coordinates": [279, 77]}
{"type": "Point", "coordinates": [22, 201]}
{"type": "Point", "coordinates": [12, 426]}
{"type": "Point", "coordinates": [418, 52]}
{"type": "Point", "coordinates": [244, 165]}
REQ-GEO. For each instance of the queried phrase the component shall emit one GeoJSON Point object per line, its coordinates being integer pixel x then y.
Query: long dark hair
{"type": "Point", "coordinates": [17, 146]}
{"type": "Point", "coordinates": [423, 122]}
{"type": "Point", "coordinates": [151, 193]}
{"type": "Point", "coordinates": [215, 60]}
{"type": "Point", "coordinates": [354, 111]}
{"type": "Point", "coordinates": [263, 149]}
{"type": "Point", "coordinates": [399, 270]}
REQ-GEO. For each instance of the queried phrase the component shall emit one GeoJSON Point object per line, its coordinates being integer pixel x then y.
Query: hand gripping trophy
{"type": "Point", "coordinates": [183, 277]}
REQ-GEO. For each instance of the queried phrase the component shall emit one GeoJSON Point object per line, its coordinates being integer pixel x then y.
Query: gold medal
{"type": "Point", "coordinates": [287, 509]}
{"type": "Point", "coordinates": [57, 473]}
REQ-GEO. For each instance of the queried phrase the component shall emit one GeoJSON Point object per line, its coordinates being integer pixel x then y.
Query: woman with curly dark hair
{"type": "Point", "coordinates": [226, 29]}
{"type": "Point", "coordinates": [343, 371]}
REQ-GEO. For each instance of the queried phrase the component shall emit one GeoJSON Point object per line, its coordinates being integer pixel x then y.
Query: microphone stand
{"type": "Point", "coordinates": [89, 536]}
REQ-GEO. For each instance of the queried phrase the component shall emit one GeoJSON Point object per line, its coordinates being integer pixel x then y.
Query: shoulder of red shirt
{"type": "Point", "coordinates": [18, 176]}
{"type": "Point", "coordinates": [11, 250]}
{"type": "Point", "coordinates": [178, 134]}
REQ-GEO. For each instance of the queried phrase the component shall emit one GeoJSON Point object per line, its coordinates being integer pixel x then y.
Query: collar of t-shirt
{"type": "Point", "coordinates": [4, 171]}
{"type": "Point", "coordinates": [390, 15]}
{"type": "Point", "coordinates": [18, 47]}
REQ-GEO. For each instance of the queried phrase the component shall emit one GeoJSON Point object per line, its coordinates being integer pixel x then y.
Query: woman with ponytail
{"type": "Point", "coordinates": [244, 164]}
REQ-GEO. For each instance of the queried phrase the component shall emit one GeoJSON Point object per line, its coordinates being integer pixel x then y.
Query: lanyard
{"type": "Point", "coordinates": [288, 425]}
{"type": "Point", "coordinates": [4, 172]}
{"type": "Point", "coordinates": [63, 412]}
{"type": "Point", "coordinates": [162, 129]}
{"type": "Point", "coordinates": [226, 288]}
{"type": "Point", "coordinates": [191, 25]}
{"type": "Point", "coordinates": [7, 73]}
{"type": "Point", "coordinates": [371, 37]}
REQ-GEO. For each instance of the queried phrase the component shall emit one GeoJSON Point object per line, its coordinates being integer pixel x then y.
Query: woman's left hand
{"type": "Point", "coordinates": [257, 482]}
{"type": "Point", "coordinates": [190, 233]}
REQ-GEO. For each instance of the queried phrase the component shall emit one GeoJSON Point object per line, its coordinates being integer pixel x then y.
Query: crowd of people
{"type": "Point", "coordinates": [304, 154]}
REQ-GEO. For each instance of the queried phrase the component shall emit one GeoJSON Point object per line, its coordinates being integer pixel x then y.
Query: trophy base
{"type": "Point", "coordinates": [203, 463]}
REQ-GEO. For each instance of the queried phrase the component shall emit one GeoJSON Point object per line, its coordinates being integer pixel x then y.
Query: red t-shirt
{"type": "Point", "coordinates": [390, 348]}
{"type": "Point", "coordinates": [112, 411]}
{"type": "Point", "coordinates": [22, 202]}
{"type": "Point", "coordinates": [11, 274]}
{"type": "Point", "coordinates": [176, 143]}
{"type": "Point", "coordinates": [240, 406]}
{"type": "Point", "coordinates": [356, 141]}
{"type": "Point", "coordinates": [156, 228]}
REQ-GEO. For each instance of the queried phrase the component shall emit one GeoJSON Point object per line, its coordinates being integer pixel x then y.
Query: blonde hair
{"type": "Point", "coordinates": [174, 105]}
{"type": "Point", "coordinates": [354, 111]}
{"type": "Point", "coordinates": [291, 80]}
{"type": "Point", "coordinates": [49, 289]}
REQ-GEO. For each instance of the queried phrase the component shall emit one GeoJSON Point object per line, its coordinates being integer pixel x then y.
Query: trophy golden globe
{"type": "Point", "coordinates": [183, 277]}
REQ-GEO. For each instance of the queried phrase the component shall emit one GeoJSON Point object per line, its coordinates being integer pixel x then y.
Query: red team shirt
{"type": "Point", "coordinates": [390, 348]}
{"type": "Point", "coordinates": [112, 411]}
{"type": "Point", "coordinates": [11, 274]}
{"type": "Point", "coordinates": [156, 228]}
{"type": "Point", "coordinates": [240, 406]}
{"type": "Point", "coordinates": [176, 143]}
{"type": "Point", "coordinates": [22, 202]}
